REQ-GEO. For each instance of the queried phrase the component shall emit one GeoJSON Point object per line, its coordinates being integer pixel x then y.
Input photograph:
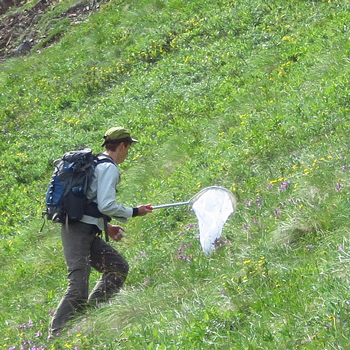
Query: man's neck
{"type": "Point", "coordinates": [112, 155]}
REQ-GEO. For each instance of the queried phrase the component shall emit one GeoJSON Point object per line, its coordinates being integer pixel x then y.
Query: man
{"type": "Point", "coordinates": [84, 248]}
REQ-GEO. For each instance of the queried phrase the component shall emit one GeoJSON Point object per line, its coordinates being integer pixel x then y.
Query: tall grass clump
{"type": "Point", "coordinates": [251, 96]}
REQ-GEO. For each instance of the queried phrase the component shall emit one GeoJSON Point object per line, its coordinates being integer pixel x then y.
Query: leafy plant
{"type": "Point", "coordinates": [252, 96]}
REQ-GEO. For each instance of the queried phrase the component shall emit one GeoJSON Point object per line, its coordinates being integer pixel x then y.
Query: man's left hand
{"type": "Point", "coordinates": [115, 232]}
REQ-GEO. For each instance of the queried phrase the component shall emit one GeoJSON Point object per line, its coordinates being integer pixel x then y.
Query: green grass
{"type": "Point", "coordinates": [252, 96]}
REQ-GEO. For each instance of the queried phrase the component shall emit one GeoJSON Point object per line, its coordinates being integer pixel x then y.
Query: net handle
{"type": "Point", "coordinates": [170, 205]}
{"type": "Point", "coordinates": [196, 196]}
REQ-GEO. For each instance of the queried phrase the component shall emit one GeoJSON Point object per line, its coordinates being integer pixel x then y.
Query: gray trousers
{"type": "Point", "coordinates": [83, 249]}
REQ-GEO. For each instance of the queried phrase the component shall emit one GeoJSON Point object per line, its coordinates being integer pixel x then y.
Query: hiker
{"type": "Point", "coordinates": [82, 243]}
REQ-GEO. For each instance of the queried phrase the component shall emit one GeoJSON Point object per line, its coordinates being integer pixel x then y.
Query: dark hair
{"type": "Point", "coordinates": [112, 146]}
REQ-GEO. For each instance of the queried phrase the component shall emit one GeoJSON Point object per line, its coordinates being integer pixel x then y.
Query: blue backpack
{"type": "Point", "coordinates": [66, 199]}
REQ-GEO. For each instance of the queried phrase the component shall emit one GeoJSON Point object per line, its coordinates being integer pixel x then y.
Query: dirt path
{"type": "Point", "coordinates": [18, 30]}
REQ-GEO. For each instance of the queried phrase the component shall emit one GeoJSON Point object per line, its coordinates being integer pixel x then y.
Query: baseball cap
{"type": "Point", "coordinates": [118, 134]}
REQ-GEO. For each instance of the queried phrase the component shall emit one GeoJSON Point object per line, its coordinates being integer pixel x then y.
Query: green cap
{"type": "Point", "coordinates": [117, 134]}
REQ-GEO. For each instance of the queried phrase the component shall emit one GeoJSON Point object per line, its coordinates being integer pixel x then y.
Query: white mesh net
{"type": "Point", "coordinates": [212, 206]}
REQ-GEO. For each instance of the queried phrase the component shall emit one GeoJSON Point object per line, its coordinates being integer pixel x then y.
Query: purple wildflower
{"type": "Point", "coordinates": [220, 242]}
{"type": "Point", "coordinates": [338, 187]}
{"type": "Point", "coordinates": [277, 214]}
{"type": "Point", "coordinates": [284, 185]}
{"type": "Point", "coordinates": [259, 202]}
{"type": "Point", "coordinates": [51, 312]}
{"type": "Point", "coordinates": [147, 281]}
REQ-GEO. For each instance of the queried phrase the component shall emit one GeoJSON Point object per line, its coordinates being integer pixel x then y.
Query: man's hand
{"type": "Point", "coordinates": [144, 209]}
{"type": "Point", "coordinates": [115, 232]}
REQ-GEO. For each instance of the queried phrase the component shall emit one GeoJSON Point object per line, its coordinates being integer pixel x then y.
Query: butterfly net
{"type": "Point", "coordinates": [212, 206]}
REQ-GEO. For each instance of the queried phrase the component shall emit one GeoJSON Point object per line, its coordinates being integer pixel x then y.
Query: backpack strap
{"type": "Point", "coordinates": [91, 207]}
{"type": "Point", "coordinates": [104, 158]}
{"type": "Point", "coordinates": [105, 225]}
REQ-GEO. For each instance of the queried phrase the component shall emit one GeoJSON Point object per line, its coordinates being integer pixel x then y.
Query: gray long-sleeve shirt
{"type": "Point", "coordinates": [103, 189]}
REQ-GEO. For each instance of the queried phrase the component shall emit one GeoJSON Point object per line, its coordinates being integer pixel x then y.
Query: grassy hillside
{"type": "Point", "coordinates": [249, 95]}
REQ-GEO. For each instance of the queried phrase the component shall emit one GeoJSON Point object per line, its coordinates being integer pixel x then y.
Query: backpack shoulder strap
{"type": "Point", "coordinates": [103, 158]}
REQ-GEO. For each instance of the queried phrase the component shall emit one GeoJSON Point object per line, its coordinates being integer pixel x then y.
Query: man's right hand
{"type": "Point", "coordinates": [144, 209]}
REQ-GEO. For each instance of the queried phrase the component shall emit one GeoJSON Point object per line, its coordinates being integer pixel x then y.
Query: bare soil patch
{"type": "Point", "coordinates": [19, 33]}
